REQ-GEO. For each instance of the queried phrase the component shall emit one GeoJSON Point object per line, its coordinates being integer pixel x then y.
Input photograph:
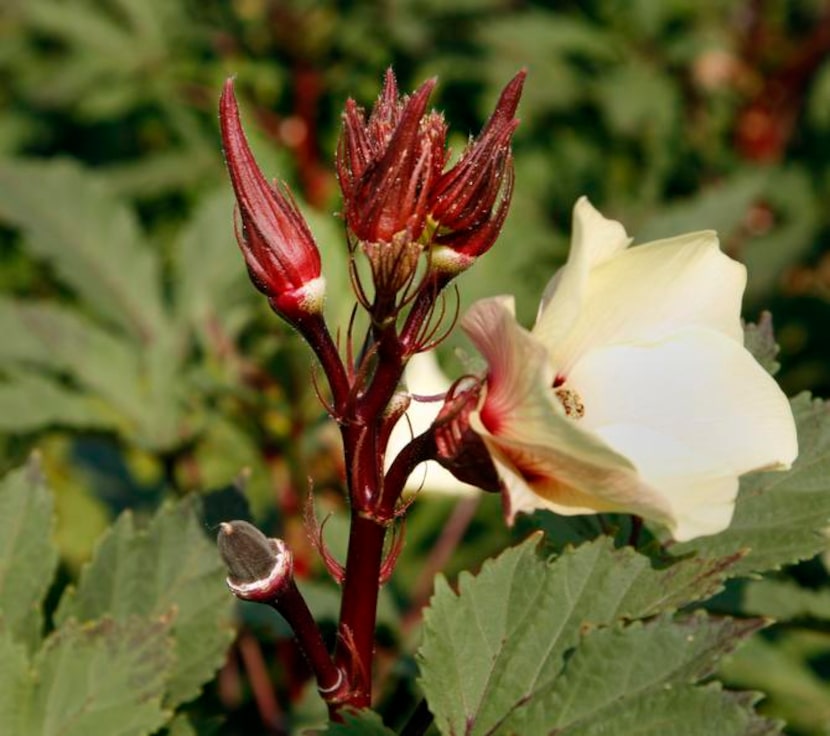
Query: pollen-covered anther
{"type": "Point", "coordinates": [571, 401]}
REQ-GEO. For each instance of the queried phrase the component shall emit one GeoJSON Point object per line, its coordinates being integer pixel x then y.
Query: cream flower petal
{"type": "Point", "coordinates": [517, 363]}
{"type": "Point", "coordinates": [594, 240]}
{"type": "Point", "coordinates": [567, 480]}
{"type": "Point", "coordinates": [633, 392]}
{"type": "Point", "coordinates": [697, 386]}
{"type": "Point", "coordinates": [692, 413]}
{"type": "Point", "coordinates": [537, 449]}
{"type": "Point", "coordinates": [643, 294]}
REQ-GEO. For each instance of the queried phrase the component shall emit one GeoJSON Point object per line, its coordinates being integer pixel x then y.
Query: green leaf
{"type": "Point", "coordinates": [358, 723]}
{"type": "Point", "coordinates": [683, 711]}
{"type": "Point", "coordinates": [818, 105]}
{"type": "Point", "coordinates": [15, 683]}
{"type": "Point", "coordinates": [181, 726]}
{"type": "Point", "coordinates": [759, 339]}
{"type": "Point", "coordinates": [168, 171]}
{"type": "Point", "coordinates": [784, 599]}
{"type": "Point", "coordinates": [224, 449]}
{"type": "Point", "coordinates": [171, 416]}
{"type": "Point", "coordinates": [55, 338]}
{"type": "Point", "coordinates": [185, 724]}
{"type": "Point", "coordinates": [29, 402]}
{"type": "Point", "coordinates": [140, 390]}
{"type": "Point", "coordinates": [507, 631]}
{"type": "Point", "coordinates": [616, 669]}
{"type": "Point", "coordinates": [211, 280]}
{"type": "Point", "coordinates": [638, 100]}
{"type": "Point", "coordinates": [102, 678]}
{"type": "Point", "coordinates": [758, 725]}
{"type": "Point", "coordinates": [545, 40]}
{"type": "Point", "coordinates": [793, 690]}
{"type": "Point", "coordinates": [721, 207]}
{"type": "Point", "coordinates": [70, 219]}
{"type": "Point", "coordinates": [27, 556]}
{"type": "Point", "coordinates": [169, 566]}
{"type": "Point", "coordinates": [780, 516]}
{"type": "Point", "coordinates": [100, 52]}
{"type": "Point", "coordinates": [562, 531]}
{"type": "Point", "coordinates": [798, 211]}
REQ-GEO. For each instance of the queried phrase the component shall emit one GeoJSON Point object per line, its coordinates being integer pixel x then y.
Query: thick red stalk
{"type": "Point", "coordinates": [358, 608]}
{"type": "Point", "coordinates": [371, 508]}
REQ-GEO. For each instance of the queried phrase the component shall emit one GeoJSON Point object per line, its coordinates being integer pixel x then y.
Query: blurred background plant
{"type": "Point", "coordinates": [136, 356]}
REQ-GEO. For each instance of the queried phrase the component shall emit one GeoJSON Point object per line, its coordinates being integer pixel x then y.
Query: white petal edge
{"type": "Point", "coordinates": [692, 413]}
{"type": "Point", "coordinates": [594, 240]}
{"type": "Point", "coordinates": [651, 291]}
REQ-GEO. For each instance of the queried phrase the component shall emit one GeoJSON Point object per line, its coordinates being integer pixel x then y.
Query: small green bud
{"type": "Point", "coordinates": [258, 567]}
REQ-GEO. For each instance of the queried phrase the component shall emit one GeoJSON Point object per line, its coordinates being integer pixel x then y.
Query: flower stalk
{"type": "Point", "coordinates": [261, 570]}
{"type": "Point", "coordinates": [418, 226]}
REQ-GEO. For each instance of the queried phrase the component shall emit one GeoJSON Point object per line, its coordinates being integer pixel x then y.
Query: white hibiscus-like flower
{"type": "Point", "coordinates": [633, 392]}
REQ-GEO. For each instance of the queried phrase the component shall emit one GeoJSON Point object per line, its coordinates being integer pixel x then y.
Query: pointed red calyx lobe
{"type": "Point", "coordinates": [471, 200]}
{"type": "Point", "coordinates": [275, 239]}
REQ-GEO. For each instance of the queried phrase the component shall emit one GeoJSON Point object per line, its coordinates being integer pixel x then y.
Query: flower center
{"type": "Point", "coordinates": [571, 401]}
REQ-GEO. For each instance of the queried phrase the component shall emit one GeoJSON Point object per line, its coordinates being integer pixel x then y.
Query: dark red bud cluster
{"type": "Point", "coordinates": [391, 171]}
{"type": "Point", "coordinates": [279, 249]}
{"type": "Point", "coordinates": [387, 164]}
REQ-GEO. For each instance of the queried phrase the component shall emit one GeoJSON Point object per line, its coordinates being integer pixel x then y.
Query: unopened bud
{"type": "Point", "coordinates": [259, 568]}
{"type": "Point", "coordinates": [279, 249]}
{"type": "Point", "coordinates": [397, 199]}
{"type": "Point", "coordinates": [470, 201]}
{"type": "Point", "coordinates": [459, 448]}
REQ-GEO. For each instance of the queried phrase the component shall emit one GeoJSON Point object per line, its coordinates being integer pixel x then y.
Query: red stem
{"type": "Point", "coordinates": [420, 449]}
{"type": "Point", "coordinates": [361, 418]}
{"type": "Point", "coordinates": [393, 350]}
{"type": "Point", "coordinates": [358, 611]}
{"type": "Point", "coordinates": [294, 610]}
{"type": "Point", "coordinates": [314, 329]}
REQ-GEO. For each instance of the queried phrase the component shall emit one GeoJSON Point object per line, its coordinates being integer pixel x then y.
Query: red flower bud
{"type": "Point", "coordinates": [470, 201]}
{"type": "Point", "coordinates": [396, 199]}
{"type": "Point", "coordinates": [280, 253]}
{"type": "Point", "coordinates": [387, 164]}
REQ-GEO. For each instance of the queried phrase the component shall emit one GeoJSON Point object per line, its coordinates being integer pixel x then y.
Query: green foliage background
{"type": "Point", "coordinates": [136, 357]}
